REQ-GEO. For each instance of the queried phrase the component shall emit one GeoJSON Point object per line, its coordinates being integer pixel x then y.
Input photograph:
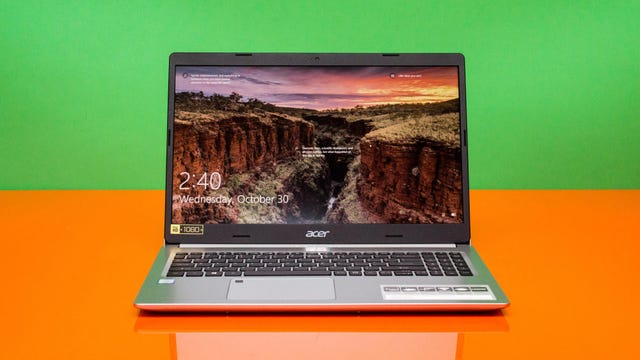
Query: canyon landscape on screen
{"type": "Point", "coordinates": [313, 145]}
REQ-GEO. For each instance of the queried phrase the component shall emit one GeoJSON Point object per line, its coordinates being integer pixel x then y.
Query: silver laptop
{"type": "Point", "coordinates": [317, 182]}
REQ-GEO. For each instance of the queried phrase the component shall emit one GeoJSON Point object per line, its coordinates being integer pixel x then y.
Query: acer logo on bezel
{"type": "Point", "coordinates": [317, 233]}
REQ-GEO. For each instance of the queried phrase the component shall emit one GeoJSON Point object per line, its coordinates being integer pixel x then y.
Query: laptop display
{"type": "Point", "coordinates": [316, 145]}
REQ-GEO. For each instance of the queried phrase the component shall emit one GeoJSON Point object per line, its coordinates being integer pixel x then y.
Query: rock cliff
{"type": "Point", "coordinates": [229, 144]}
{"type": "Point", "coordinates": [412, 175]}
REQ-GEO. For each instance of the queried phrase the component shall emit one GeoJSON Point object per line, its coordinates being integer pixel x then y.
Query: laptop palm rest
{"type": "Point", "coordinates": [282, 289]}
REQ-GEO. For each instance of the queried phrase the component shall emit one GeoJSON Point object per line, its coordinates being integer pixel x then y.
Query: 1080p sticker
{"type": "Point", "coordinates": [187, 229]}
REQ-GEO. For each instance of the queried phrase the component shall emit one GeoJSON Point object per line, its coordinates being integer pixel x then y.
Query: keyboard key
{"type": "Point", "coordinates": [213, 273]}
{"type": "Point", "coordinates": [181, 268]}
{"type": "Point", "coordinates": [355, 273]}
{"type": "Point", "coordinates": [265, 272]}
{"type": "Point", "coordinates": [405, 256]}
{"type": "Point", "coordinates": [232, 273]}
{"type": "Point", "coordinates": [301, 269]}
{"type": "Point", "coordinates": [370, 273]}
{"type": "Point", "coordinates": [182, 261]}
{"type": "Point", "coordinates": [287, 273]}
{"type": "Point", "coordinates": [413, 268]}
{"type": "Point", "coordinates": [340, 273]}
{"type": "Point", "coordinates": [403, 273]}
{"type": "Point", "coordinates": [385, 273]}
{"type": "Point", "coordinates": [175, 273]}
{"type": "Point", "coordinates": [194, 273]}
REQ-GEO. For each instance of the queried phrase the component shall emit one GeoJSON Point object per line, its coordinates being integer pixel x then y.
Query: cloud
{"type": "Point", "coordinates": [320, 96]}
{"type": "Point", "coordinates": [328, 87]}
{"type": "Point", "coordinates": [259, 82]}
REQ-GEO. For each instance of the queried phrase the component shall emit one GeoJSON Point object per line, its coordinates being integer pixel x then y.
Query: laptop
{"type": "Point", "coordinates": [317, 182]}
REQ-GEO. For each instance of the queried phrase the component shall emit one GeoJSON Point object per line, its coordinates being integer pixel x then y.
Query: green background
{"type": "Point", "coordinates": [553, 86]}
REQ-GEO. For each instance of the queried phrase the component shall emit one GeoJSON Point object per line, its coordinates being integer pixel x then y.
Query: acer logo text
{"type": "Point", "coordinates": [317, 234]}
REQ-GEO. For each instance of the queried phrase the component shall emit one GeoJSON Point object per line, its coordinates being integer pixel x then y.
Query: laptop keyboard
{"type": "Point", "coordinates": [198, 264]}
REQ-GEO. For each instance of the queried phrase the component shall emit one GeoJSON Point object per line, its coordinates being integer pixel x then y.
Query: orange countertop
{"type": "Point", "coordinates": [74, 260]}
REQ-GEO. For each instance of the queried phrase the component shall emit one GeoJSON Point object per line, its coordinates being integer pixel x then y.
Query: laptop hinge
{"type": "Point", "coordinates": [309, 247]}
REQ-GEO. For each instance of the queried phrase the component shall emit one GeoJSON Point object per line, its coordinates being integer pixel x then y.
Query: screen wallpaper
{"type": "Point", "coordinates": [315, 145]}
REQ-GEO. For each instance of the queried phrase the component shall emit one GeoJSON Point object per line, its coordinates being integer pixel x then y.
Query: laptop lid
{"type": "Point", "coordinates": [316, 149]}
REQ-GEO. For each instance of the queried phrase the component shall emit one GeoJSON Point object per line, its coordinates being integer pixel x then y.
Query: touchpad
{"type": "Point", "coordinates": [281, 289]}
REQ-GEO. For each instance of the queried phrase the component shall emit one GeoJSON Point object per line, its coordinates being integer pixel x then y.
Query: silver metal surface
{"type": "Point", "coordinates": [210, 293]}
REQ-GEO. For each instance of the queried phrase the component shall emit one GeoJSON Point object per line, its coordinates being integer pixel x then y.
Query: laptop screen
{"type": "Point", "coordinates": [316, 145]}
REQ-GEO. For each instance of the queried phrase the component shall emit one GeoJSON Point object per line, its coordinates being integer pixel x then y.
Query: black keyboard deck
{"type": "Point", "coordinates": [196, 264]}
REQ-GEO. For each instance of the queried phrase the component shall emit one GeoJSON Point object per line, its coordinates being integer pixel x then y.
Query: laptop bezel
{"type": "Point", "coordinates": [266, 234]}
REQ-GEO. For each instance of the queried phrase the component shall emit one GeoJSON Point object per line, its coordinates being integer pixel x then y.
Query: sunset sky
{"type": "Point", "coordinates": [324, 87]}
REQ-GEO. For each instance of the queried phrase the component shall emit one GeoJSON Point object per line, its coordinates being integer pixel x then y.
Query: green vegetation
{"type": "Point", "coordinates": [293, 178]}
{"type": "Point", "coordinates": [398, 110]}
{"type": "Point", "coordinates": [401, 122]}
{"type": "Point", "coordinates": [335, 136]}
{"type": "Point", "coordinates": [309, 175]}
{"type": "Point", "coordinates": [196, 108]}
{"type": "Point", "coordinates": [255, 213]}
{"type": "Point", "coordinates": [197, 101]}
{"type": "Point", "coordinates": [440, 128]}
{"type": "Point", "coordinates": [347, 208]}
